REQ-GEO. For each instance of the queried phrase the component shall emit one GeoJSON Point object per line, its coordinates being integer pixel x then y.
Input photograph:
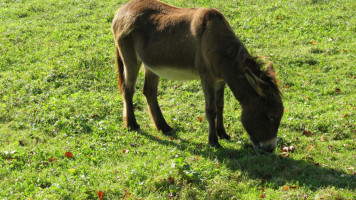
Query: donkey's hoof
{"type": "Point", "coordinates": [226, 137]}
{"type": "Point", "coordinates": [215, 144]}
{"type": "Point", "coordinates": [223, 135]}
{"type": "Point", "coordinates": [167, 131]}
{"type": "Point", "coordinates": [134, 127]}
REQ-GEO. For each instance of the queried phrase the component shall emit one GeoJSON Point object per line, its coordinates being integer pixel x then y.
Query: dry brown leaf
{"type": "Point", "coordinates": [52, 159]}
{"type": "Point", "coordinates": [307, 133]}
{"type": "Point", "coordinates": [68, 155]}
{"type": "Point", "coordinates": [171, 180]}
{"type": "Point", "coordinates": [200, 119]}
{"type": "Point", "coordinates": [100, 195]}
{"type": "Point", "coordinates": [124, 151]}
{"type": "Point", "coordinates": [285, 149]}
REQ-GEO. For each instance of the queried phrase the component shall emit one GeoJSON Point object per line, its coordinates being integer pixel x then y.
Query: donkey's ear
{"type": "Point", "coordinates": [255, 82]}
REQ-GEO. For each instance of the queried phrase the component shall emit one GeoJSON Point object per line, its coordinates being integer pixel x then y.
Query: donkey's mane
{"type": "Point", "coordinates": [268, 75]}
{"type": "Point", "coordinates": [244, 59]}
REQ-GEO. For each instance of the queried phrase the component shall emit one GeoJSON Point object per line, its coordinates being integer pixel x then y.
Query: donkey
{"type": "Point", "coordinates": [198, 43]}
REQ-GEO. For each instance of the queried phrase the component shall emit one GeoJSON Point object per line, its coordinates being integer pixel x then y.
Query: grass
{"type": "Point", "coordinates": [58, 94]}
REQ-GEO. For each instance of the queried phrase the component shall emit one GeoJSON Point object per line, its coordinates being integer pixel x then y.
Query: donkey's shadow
{"type": "Point", "coordinates": [268, 167]}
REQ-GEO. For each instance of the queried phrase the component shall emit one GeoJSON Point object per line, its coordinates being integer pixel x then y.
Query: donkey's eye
{"type": "Point", "coordinates": [271, 118]}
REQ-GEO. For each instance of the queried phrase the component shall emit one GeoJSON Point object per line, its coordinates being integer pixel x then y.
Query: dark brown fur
{"type": "Point", "coordinates": [178, 43]}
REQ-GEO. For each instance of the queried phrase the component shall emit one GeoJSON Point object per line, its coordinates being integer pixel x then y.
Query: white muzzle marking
{"type": "Point", "coordinates": [272, 143]}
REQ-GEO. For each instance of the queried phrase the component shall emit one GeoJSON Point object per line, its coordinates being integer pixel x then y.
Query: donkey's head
{"type": "Point", "coordinates": [263, 110]}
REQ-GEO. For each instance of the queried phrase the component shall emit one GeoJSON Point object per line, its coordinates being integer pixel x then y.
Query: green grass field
{"type": "Point", "coordinates": [61, 128]}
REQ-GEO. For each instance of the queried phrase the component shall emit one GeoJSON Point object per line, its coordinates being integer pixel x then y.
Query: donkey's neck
{"type": "Point", "coordinates": [239, 86]}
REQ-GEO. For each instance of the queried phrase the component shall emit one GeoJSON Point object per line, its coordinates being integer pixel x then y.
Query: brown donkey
{"type": "Point", "coordinates": [186, 44]}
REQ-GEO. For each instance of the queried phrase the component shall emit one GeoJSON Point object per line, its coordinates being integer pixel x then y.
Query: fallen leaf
{"type": "Point", "coordinates": [124, 151]}
{"type": "Point", "coordinates": [291, 148]}
{"type": "Point", "coordinates": [307, 133]}
{"type": "Point", "coordinates": [100, 195]}
{"type": "Point", "coordinates": [171, 180]}
{"type": "Point", "coordinates": [337, 90]}
{"type": "Point", "coordinates": [316, 164]}
{"type": "Point", "coordinates": [344, 50]}
{"type": "Point", "coordinates": [293, 187]}
{"type": "Point", "coordinates": [285, 188]}
{"type": "Point", "coordinates": [287, 86]}
{"type": "Point", "coordinates": [52, 159]}
{"type": "Point", "coordinates": [68, 155]}
{"type": "Point", "coordinates": [284, 155]}
{"type": "Point", "coordinates": [262, 189]}
{"type": "Point", "coordinates": [310, 147]}
{"type": "Point", "coordinates": [200, 119]}
{"type": "Point", "coordinates": [263, 196]}
{"type": "Point", "coordinates": [171, 138]}
{"type": "Point", "coordinates": [285, 149]}
{"type": "Point", "coordinates": [277, 17]}
{"type": "Point", "coordinates": [323, 139]}
{"type": "Point", "coordinates": [72, 171]}
{"type": "Point", "coordinates": [347, 115]}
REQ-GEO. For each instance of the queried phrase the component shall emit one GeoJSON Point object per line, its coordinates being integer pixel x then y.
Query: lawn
{"type": "Point", "coordinates": [61, 127]}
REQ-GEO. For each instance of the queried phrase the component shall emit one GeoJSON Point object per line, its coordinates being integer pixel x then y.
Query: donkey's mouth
{"type": "Point", "coordinates": [265, 147]}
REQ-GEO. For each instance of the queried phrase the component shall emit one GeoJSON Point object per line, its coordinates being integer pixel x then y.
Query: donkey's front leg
{"type": "Point", "coordinates": [150, 91]}
{"type": "Point", "coordinates": [219, 98]}
{"type": "Point", "coordinates": [210, 110]}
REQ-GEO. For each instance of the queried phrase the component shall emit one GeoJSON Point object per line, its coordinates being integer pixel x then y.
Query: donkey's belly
{"type": "Point", "coordinates": [175, 73]}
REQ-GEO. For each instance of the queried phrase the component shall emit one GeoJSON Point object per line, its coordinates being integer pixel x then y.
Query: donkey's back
{"type": "Point", "coordinates": [167, 39]}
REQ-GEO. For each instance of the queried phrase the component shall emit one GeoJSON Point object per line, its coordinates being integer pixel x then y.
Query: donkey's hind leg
{"type": "Point", "coordinates": [150, 91]}
{"type": "Point", "coordinates": [131, 68]}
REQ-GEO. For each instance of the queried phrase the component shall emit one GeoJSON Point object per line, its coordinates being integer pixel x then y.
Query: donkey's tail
{"type": "Point", "coordinates": [120, 70]}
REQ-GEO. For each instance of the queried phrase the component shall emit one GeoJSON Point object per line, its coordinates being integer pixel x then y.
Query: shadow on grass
{"type": "Point", "coordinates": [269, 168]}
